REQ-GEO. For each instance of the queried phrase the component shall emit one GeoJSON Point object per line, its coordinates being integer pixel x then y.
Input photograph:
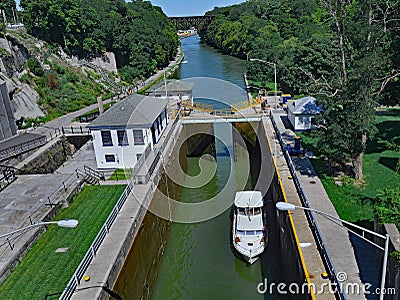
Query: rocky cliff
{"type": "Point", "coordinates": [12, 65]}
{"type": "Point", "coordinates": [17, 47]}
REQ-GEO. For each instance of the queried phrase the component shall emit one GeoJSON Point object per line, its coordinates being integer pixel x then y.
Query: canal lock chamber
{"type": "Point", "coordinates": [194, 257]}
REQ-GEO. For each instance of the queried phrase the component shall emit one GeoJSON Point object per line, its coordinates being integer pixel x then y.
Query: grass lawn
{"type": "Point", "coordinates": [351, 202]}
{"type": "Point", "coordinates": [121, 174]}
{"type": "Point", "coordinates": [42, 271]}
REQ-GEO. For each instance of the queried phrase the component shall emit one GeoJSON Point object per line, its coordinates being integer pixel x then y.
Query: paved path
{"type": "Point", "coordinates": [312, 258]}
{"type": "Point", "coordinates": [50, 127]}
{"type": "Point", "coordinates": [335, 237]}
{"type": "Point", "coordinates": [160, 73]}
{"type": "Point", "coordinates": [28, 197]}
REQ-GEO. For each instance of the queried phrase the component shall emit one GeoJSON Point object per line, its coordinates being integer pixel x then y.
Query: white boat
{"type": "Point", "coordinates": [249, 225]}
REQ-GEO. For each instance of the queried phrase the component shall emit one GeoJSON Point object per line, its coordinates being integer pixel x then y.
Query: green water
{"type": "Point", "coordinates": [199, 261]}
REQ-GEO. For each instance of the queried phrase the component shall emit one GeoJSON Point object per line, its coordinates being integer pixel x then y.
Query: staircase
{"type": "Point", "coordinates": [7, 176]}
{"type": "Point", "coordinates": [90, 175]}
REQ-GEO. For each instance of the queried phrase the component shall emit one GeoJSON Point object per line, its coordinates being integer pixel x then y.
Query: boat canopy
{"type": "Point", "coordinates": [252, 223]}
{"type": "Point", "coordinates": [249, 199]}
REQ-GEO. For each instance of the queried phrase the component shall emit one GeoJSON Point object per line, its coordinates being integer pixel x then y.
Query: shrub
{"type": "Point", "coordinates": [34, 66]}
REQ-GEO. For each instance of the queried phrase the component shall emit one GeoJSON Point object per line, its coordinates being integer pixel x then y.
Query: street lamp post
{"type": "Point", "coordinates": [275, 85]}
{"type": "Point", "coordinates": [63, 223]}
{"type": "Point", "coordinates": [283, 206]}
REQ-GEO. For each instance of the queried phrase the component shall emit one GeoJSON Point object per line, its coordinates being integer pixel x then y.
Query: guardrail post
{"type": "Point", "coordinates": [76, 280]}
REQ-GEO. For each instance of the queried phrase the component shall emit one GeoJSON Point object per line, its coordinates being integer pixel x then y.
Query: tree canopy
{"type": "Point", "coordinates": [346, 53]}
{"type": "Point", "coordinates": [139, 34]}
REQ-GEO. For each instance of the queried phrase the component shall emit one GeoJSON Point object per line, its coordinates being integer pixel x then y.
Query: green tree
{"type": "Point", "coordinates": [7, 6]}
{"type": "Point", "coordinates": [140, 35]}
{"type": "Point", "coordinates": [387, 206]}
{"type": "Point", "coordinates": [361, 74]}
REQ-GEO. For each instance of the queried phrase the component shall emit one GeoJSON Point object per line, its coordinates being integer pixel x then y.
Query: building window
{"type": "Point", "coordinates": [313, 121]}
{"type": "Point", "coordinates": [110, 158]}
{"type": "Point", "coordinates": [122, 138]}
{"type": "Point", "coordinates": [138, 137]}
{"type": "Point", "coordinates": [106, 138]}
{"type": "Point", "coordinates": [138, 156]}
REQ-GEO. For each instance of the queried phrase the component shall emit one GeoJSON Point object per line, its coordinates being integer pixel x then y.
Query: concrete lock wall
{"type": "Point", "coordinates": [291, 260]}
{"type": "Point", "coordinates": [134, 275]}
{"type": "Point", "coordinates": [393, 267]}
{"type": "Point", "coordinates": [144, 255]}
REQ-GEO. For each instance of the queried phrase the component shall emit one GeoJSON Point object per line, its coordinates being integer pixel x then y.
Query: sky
{"type": "Point", "coordinates": [178, 8]}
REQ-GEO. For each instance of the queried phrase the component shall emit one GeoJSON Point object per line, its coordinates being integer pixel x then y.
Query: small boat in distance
{"type": "Point", "coordinates": [249, 225]}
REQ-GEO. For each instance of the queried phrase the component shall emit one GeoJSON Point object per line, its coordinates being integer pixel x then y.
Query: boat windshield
{"type": "Point", "coordinates": [249, 211]}
{"type": "Point", "coordinates": [249, 232]}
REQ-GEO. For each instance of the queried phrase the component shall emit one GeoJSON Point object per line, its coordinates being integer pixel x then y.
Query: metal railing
{"type": "Point", "coordinates": [94, 247]}
{"type": "Point", "coordinates": [143, 179]}
{"type": "Point", "coordinates": [90, 175]}
{"type": "Point", "coordinates": [313, 224]}
{"type": "Point", "coordinates": [142, 159]}
{"type": "Point", "coordinates": [7, 176]}
{"type": "Point", "coordinates": [22, 148]}
{"type": "Point", "coordinates": [75, 130]}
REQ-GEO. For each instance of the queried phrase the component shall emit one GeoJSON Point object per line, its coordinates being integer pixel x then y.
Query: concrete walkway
{"type": "Point", "coordinates": [335, 237]}
{"type": "Point", "coordinates": [310, 252]}
{"type": "Point", "coordinates": [28, 197]}
{"type": "Point", "coordinates": [104, 268]}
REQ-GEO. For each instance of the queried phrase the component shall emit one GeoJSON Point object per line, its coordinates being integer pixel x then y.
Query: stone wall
{"type": "Point", "coordinates": [51, 159]}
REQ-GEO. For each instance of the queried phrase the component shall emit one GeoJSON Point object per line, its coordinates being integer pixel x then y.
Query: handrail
{"type": "Point", "coordinates": [91, 172]}
{"type": "Point", "coordinates": [75, 130]}
{"type": "Point", "coordinates": [22, 148]}
{"type": "Point", "coordinates": [309, 214]}
{"type": "Point", "coordinates": [94, 247]}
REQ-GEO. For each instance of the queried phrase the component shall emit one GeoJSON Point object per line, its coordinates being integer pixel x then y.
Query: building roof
{"type": "Point", "coordinates": [136, 111]}
{"type": "Point", "coordinates": [173, 86]}
{"type": "Point", "coordinates": [304, 106]}
{"type": "Point", "coordinates": [248, 199]}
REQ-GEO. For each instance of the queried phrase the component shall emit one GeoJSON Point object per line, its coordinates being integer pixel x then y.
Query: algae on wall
{"type": "Point", "coordinates": [140, 270]}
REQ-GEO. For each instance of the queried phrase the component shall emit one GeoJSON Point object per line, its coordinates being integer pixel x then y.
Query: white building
{"type": "Point", "coordinates": [302, 112]}
{"type": "Point", "coordinates": [127, 130]}
{"type": "Point", "coordinates": [176, 90]}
